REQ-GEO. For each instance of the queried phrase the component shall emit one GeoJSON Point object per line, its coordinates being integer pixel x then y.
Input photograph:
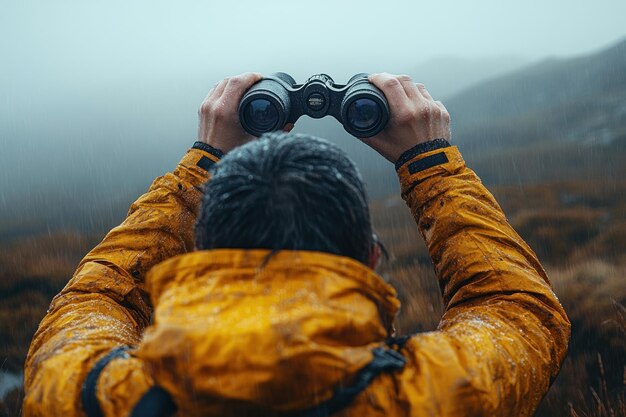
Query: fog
{"type": "Point", "coordinates": [98, 98]}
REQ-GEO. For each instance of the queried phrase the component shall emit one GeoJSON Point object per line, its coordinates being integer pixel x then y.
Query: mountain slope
{"type": "Point", "coordinates": [581, 100]}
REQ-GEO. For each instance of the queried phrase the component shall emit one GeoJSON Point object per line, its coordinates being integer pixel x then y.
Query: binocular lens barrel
{"type": "Point", "coordinates": [265, 107]}
{"type": "Point", "coordinates": [262, 115]}
{"type": "Point", "coordinates": [364, 109]}
{"type": "Point", "coordinates": [363, 114]}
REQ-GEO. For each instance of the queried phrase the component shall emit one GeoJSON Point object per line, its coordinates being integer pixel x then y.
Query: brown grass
{"type": "Point", "coordinates": [577, 229]}
{"type": "Point", "coordinates": [592, 380]}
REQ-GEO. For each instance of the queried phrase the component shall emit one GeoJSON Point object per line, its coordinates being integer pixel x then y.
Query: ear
{"type": "Point", "coordinates": [374, 257]}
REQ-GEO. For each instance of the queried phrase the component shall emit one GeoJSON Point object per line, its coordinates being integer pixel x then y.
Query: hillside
{"type": "Point", "coordinates": [575, 101]}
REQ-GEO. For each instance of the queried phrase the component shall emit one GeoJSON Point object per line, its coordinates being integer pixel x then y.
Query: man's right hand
{"type": "Point", "coordinates": [414, 116]}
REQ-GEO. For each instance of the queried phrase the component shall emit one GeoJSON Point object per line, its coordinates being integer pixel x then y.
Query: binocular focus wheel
{"type": "Point", "coordinates": [358, 76]}
{"type": "Point", "coordinates": [285, 77]}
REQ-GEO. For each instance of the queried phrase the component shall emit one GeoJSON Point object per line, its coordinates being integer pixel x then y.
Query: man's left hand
{"type": "Point", "coordinates": [219, 124]}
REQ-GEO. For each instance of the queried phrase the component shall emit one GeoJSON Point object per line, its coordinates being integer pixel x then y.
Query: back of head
{"type": "Point", "coordinates": [286, 191]}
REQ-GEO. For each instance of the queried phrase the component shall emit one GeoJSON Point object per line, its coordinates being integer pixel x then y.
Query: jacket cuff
{"type": "Point", "coordinates": [420, 148]}
{"type": "Point", "coordinates": [209, 149]}
{"type": "Point", "coordinates": [438, 162]}
{"type": "Point", "coordinates": [197, 162]}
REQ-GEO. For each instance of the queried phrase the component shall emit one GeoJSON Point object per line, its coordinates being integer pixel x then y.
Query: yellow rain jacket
{"type": "Point", "coordinates": [147, 325]}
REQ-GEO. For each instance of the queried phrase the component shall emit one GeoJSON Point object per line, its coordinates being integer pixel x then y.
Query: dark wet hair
{"type": "Point", "coordinates": [286, 191]}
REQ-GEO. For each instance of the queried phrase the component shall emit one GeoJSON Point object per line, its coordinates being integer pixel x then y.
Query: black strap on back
{"type": "Point", "coordinates": [156, 402]}
{"type": "Point", "coordinates": [397, 342]}
{"type": "Point", "coordinates": [385, 360]}
{"type": "Point", "coordinates": [89, 391]}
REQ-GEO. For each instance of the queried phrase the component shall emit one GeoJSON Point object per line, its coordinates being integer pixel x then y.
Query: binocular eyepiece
{"type": "Point", "coordinates": [274, 101]}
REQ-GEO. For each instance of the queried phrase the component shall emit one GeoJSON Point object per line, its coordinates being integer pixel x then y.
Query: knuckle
{"type": "Point", "coordinates": [223, 83]}
{"type": "Point", "coordinates": [391, 83]}
{"type": "Point", "coordinates": [205, 108]}
{"type": "Point", "coordinates": [250, 75]}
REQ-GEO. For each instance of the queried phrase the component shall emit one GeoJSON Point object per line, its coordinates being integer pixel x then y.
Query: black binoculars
{"type": "Point", "coordinates": [276, 100]}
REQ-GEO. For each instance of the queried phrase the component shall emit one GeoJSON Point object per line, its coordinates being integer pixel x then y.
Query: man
{"type": "Point", "coordinates": [279, 311]}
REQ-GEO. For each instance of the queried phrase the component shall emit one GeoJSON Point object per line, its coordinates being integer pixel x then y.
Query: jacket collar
{"type": "Point", "coordinates": [261, 264]}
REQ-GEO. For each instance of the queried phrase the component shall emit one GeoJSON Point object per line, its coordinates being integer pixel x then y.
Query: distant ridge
{"type": "Point", "coordinates": [580, 100]}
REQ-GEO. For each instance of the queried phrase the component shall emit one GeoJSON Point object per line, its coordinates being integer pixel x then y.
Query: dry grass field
{"type": "Point", "coordinates": [577, 229]}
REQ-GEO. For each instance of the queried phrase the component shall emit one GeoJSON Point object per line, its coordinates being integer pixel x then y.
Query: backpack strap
{"type": "Point", "coordinates": [156, 402]}
{"type": "Point", "coordinates": [89, 389]}
{"type": "Point", "coordinates": [385, 360]}
{"type": "Point", "coordinates": [397, 342]}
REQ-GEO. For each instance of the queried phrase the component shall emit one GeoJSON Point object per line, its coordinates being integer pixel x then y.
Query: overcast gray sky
{"type": "Point", "coordinates": [81, 40]}
{"type": "Point", "coordinates": [95, 91]}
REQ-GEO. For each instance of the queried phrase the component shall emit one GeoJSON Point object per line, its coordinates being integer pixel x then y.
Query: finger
{"type": "Point", "coordinates": [445, 117]}
{"type": "Point", "coordinates": [424, 92]}
{"type": "Point", "coordinates": [239, 84]}
{"type": "Point", "coordinates": [217, 93]}
{"type": "Point", "coordinates": [288, 127]}
{"type": "Point", "coordinates": [392, 88]}
{"type": "Point", "coordinates": [211, 94]}
{"type": "Point", "coordinates": [444, 112]}
{"type": "Point", "coordinates": [206, 105]}
{"type": "Point", "coordinates": [409, 86]}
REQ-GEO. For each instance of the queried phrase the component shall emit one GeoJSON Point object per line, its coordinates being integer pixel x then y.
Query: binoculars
{"type": "Point", "coordinates": [276, 100]}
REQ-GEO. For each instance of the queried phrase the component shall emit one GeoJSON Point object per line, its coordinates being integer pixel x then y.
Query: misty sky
{"type": "Point", "coordinates": [94, 86]}
{"type": "Point", "coordinates": [87, 41]}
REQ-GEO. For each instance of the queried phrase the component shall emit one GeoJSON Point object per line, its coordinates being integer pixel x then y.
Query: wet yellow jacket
{"type": "Point", "coordinates": [235, 333]}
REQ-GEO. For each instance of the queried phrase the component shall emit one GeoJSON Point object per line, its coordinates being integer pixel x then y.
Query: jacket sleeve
{"type": "Point", "coordinates": [104, 305]}
{"type": "Point", "coordinates": [504, 334]}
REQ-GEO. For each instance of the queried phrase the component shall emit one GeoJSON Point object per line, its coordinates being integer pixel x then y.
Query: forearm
{"type": "Point", "coordinates": [501, 313]}
{"type": "Point", "coordinates": [466, 232]}
{"type": "Point", "coordinates": [105, 304]}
